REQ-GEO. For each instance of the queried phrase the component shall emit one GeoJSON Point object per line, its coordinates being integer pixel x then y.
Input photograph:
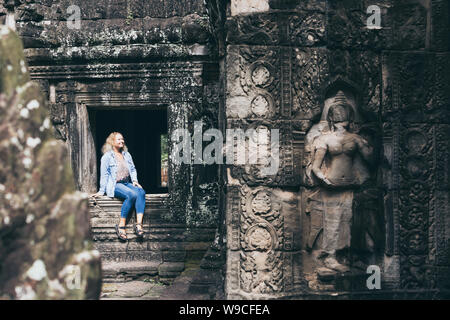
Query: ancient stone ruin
{"type": "Point", "coordinates": [347, 100]}
{"type": "Point", "coordinates": [45, 244]}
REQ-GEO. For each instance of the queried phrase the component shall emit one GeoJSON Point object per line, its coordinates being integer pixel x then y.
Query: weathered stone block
{"type": "Point", "coordinates": [248, 6]}
{"type": "Point", "coordinates": [39, 201]}
{"type": "Point", "coordinates": [174, 256]}
{"type": "Point", "coordinates": [164, 246]}
{"type": "Point", "coordinates": [129, 256]}
{"type": "Point", "coordinates": [300, 29]}
{"type": "Point", "coordinates": [168, 269]}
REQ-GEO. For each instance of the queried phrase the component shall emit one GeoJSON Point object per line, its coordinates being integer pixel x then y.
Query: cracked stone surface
{"type": "Point", "coordinates": [151, 289]}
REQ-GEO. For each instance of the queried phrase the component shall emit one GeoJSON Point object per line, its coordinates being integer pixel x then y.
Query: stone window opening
{"type": "Point", "coordinates": [145, 133]}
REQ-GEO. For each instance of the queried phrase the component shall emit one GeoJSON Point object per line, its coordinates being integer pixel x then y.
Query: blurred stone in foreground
{"type": "Point", "coordinates": [45, 246]}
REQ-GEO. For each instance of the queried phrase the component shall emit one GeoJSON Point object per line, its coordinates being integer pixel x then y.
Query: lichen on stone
{"type": "Point", "coordinates": [38, 205]}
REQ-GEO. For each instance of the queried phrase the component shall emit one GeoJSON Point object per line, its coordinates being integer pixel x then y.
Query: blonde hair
{"type": "Point", "coordinates": [108, 146]}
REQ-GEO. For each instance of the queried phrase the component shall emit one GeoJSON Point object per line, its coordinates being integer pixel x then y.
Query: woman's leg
{"type": "Point", "coordinates": [139, 204]}
{"type": "Point", "coordinates": [122, 191]}
{"type": "Point", "coordinates": [140, 201]}
{"type": "Point", "coordinates": [140, 197]}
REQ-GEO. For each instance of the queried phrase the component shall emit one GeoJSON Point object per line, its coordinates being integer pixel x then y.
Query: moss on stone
{"type": "Point", "coordinates": [45, 230]}
{"type": "Point", "coordinates": [11, 55]}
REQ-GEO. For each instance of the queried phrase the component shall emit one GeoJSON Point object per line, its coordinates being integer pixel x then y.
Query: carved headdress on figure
{"type": "Point", "coordinates": [339, 107]}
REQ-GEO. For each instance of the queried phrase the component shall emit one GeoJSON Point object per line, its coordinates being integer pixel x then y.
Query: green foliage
{"type": "Point", "coordinates": [130, 17]}
{"type": "Point", "coordinates": [164, 149]}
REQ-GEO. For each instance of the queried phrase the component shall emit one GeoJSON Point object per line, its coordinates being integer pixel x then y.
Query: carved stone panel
{"type": "Point", "coordinates": [262, 245]}
{"type": "Point", "coordinates": [253, 86]}
{"type": "Point", "coordinates": [309, 72]}
{"type": "Point", "coordinates": [314, 70]}
{"type": "Point", "coordinates": [281, 66]}
{"type": "Point", "coordinates": [343, 222]}
{"type": "Point", "coordinates": [440, 15]}
{"type": "Point", "coordinates": [302, 28]}
{"type": "Point", "coordinates": [416, 150]}
{"type": "Point", "coordinates": [282, 159]}
{"type": "Point", "coordinates": [403, 25]}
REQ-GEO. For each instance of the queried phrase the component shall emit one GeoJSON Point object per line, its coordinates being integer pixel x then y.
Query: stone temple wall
{"type": "Point", "coordinates": [142, 55]}
{"type": "Point", "coordinates": [134, 55]}
{"type": "Point", "coordinates": [138, 54]}
{"type": "Point", "coordinates": [362, 114]}
{"type": "Point", "coordinates": [284, 64]}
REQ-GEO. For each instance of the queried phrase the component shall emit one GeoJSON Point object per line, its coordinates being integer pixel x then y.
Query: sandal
{"type": "Point", "coordinates": [121, 235]}
{"type": "Point", "coordinates": [139, 233]}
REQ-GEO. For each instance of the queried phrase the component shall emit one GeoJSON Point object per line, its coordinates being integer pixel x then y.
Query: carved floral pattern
{"type": "Point", "coordinates": [416, 168]}
{"type": "Point", "coordinates": [261, 234]}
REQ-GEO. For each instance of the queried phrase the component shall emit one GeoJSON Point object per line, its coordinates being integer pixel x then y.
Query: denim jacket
{"type": "Point", "coordinates": [108, 171]}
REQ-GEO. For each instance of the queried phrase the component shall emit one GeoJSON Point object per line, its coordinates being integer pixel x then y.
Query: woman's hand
{"type": "Point", "coordinates": [327, 182]}
{"type": "Point", "coordinates": [136, 184]}
{"type": "Point", "coordinates": [96, 195]}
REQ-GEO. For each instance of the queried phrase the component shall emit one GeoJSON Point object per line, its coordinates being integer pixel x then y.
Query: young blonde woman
{"type": "Point", "coordinates": [118, 178]}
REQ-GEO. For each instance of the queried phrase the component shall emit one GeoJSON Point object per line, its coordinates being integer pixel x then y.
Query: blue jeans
{"type": "Point", "coordinates": [132, 196]}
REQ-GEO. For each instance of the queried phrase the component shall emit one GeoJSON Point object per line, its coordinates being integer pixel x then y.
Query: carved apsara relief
{"type": "Point", "coordinates": [342, 201]}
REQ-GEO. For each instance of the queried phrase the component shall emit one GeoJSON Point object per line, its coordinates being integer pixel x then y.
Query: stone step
{"type": "Point", "coordinates": [107, 232]}
{"type": "Point", "coordinates": [162, 251]}
{"type": "Point", "coordinates": [208, 278]}
{"type": "Point", "coordinates": [115, 203]}
{"type": "Point", "coordinates": [124, 271]}
{"type": "Point", "coordinates": [146, 289]}
{"type": "Point", "coordinates": [205, 282]}
{"type": "Point", "coordinates": [105, 211]}
{"type": "Point", "coordinates": [180, 288]}
{"type": "Point", "coordinates": [147, 251]}
{"type": "Point", "coordinates": [137, 257]}
{"type": "Point", "coordinates": [128, 270]}
{"type": "Point", "coordinates": [153, 201]}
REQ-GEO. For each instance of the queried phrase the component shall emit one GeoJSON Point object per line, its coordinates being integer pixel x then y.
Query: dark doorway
{"type": "Point", "coordinates": [145, 134]}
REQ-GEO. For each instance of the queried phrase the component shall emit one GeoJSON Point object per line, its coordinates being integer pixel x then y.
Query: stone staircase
{"type": "Point", "coordinates": [162, 252]}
